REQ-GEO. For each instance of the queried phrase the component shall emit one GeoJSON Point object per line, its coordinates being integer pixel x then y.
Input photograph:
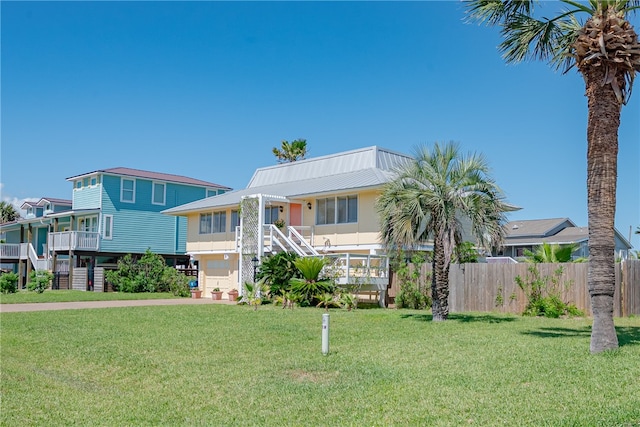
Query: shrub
{"type": "Point", "coordinates": [176, 282]}
{"type": "Point", "coordinates": [39, 280]}
{"type": "Point", "coordinates": [544, 294]}
{"type": "Point", "coordinates": [9, 283]}
{"type": "Point", "coordinates": [276, 271]}
{"type": "Point", "coordinates": [413, 291]}
{"type": "Point", "coordinates": [149, 274]}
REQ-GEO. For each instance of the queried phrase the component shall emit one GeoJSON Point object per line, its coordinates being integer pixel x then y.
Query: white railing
{"type": "Point", "coordinates": [38, 264]}
{"type": "Point", "coordinates": [297, 237]}
{"type": "Point", "coordinates": [74, 241]}
{"type": "Point", "coordinates": [273, 236]}
{"type": "Point", "coordinates": [13, 250]}
{"type": "Point", "coordinates": [357, 269]}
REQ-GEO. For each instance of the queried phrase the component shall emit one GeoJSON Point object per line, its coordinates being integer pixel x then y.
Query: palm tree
{"type": "Point", "coordinates": [291, 151]}
{"type": "Point", "coordinates": [551, 253]}
{"type": "Point", "coordinates": [430, 198]}
{"type": "Point", "coordinates": [8, 212]}
{"type": "Point", "coordinates": [605, 50]}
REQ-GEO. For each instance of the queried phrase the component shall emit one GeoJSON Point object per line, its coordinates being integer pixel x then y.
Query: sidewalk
{"type": "Point", "coordinates": [44, 306]}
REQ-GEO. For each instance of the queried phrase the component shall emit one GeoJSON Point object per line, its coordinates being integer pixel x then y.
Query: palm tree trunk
{"type": "Point", "coordinates": [602, 156]}
{"type": "Point", "coordinates": [439, 283]}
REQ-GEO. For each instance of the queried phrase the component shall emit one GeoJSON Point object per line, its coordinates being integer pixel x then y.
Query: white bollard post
{"type": "Point", "coordinates": [325, 334]}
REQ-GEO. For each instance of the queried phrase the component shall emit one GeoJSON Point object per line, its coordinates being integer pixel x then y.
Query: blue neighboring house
{"type": "Point", "coordinates": [113, 212]}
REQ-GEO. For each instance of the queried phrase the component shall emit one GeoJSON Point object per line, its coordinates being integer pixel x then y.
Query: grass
{"type": "Point", "coordinates": [67, 296]}
{"type": "Point", "coordinates": [228, 365]}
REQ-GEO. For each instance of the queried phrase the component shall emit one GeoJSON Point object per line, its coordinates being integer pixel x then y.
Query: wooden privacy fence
{"type": "Point", "coordinates": [492, 287]}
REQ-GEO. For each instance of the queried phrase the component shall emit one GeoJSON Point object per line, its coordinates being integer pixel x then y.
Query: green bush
{"type": "Point", "coordinates": [413, 291]}
{"type": "Point", "coordinates": [148, 274]}
{"type": "Point", "coordinates": [176, 282]}
{"type": "Point", "coordinates": [544, 294]}
{"type": "Point", "coordinates": [276, 271]}
{"type": "Point", "coordinates": [9, 283]}
{"type": "Point", "coordinates": [39, 280]}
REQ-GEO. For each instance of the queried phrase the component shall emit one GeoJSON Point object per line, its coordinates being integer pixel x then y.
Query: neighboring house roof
{"type": "Point", "coordinates": [54, 201]}
{"type": "Point", "coordinates": [369, 167]}
{"type": "Point", "coordinates": [535, 227]}
{"type": "Point", "coordinates": [552, 231]}
{"type": "Point", "coordinates": [138, 173]}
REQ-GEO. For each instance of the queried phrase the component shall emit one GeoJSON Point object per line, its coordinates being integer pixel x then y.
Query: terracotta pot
{"type": "Point", "coordinates": [196, 293]}
{"type": "Point", "coordinates": [216, 295]}
{"type": "Point", "coordinates": [233, 295]}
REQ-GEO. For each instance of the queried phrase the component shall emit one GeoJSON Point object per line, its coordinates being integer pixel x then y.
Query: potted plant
{"type": "Point", "coordinates": [233, 294]}
{"type": "Point", "coordinates": [279, 223]}
{"type": "Point", "coordinates": [216, 294]}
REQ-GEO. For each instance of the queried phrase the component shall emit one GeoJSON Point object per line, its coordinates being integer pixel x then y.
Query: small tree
{"type": "Point", "coordinates": [9, 283]}
{"type": "Point", "coordinates": [39, 280]}
{"type": "Point", "coordinates": [310, 285]}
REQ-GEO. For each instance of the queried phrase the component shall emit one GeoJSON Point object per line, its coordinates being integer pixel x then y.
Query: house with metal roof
{"type": "Point", "coordinates": [112, 212]}
{"type": "Point", "coordinates": [323, 206]}
{"type": "Point", "coordinates": [528, 234]}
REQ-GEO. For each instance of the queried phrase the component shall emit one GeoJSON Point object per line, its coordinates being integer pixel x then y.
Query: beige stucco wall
{"type": "Point", "coordinates": [218, 272]}
{"type": "Point", "coordinates": [197, 242]}
{"type": "Point", "coordinates": [364, 232]}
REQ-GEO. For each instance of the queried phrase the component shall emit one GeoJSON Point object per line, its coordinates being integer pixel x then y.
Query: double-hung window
{"type": "Point", "coordinates": [235, 221]}
{"type": "Point", "coordinates": [128, 190]}
{"type": "Point", "coordinates": [337, 210]}
{"type": "Point", "coordinates": [219, 222]}
{"type": "Point", "coordinates": [205, 223]}
{"type": "Point", "coordinates": [213, 222]}
{"type": "Point", "coordinates": [158, 193]}
{"type": "Point", "coordinates": [347, 209]}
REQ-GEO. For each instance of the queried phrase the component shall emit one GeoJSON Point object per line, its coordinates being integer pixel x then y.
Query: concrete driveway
{"type": "Point", "coordinates": [44, 306]}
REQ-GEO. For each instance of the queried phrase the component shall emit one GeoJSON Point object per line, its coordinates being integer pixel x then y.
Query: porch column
{"type": "Point", "coordinates": [29, 265]}
{"type": "Point", "coordinates": [71, 252]}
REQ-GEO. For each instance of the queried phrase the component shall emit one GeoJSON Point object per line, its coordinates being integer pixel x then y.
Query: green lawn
{"type": "Point", "coordinates": [66, 296]}
{"type": "Point", "coordinates": [228, 365]}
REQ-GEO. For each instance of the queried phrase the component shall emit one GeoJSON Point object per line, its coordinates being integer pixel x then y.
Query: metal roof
{"type": "Point", "coordinates": [321, 167]}
{"type": "Point", "coordinates": [138, 173]}
{"type": "Point", "coordinates": [350, 181]}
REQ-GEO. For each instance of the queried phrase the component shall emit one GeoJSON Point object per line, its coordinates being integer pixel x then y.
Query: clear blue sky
{"type": "Point", "coordinates": [206, 89]}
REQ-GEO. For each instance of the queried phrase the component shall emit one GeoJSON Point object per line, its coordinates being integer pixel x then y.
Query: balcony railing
{"type": "Point", "coordinates": [74, 241]}
{"type": "Point", "coordinates": [13, 250]}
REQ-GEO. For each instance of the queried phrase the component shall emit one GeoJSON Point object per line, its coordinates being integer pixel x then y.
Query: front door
{"type": "Point", "coordinates": [295, 214]}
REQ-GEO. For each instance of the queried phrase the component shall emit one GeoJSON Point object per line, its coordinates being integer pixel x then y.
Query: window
{"type": "Point", "coordinates": [211, 193]}
{"type": "Point", "coordinates": [219, 222]}
{"type": "Point", "coordinates": [159, 193]}
{"type": "Point", "coordinates": [205, 223]}
{"type": "Point", "coordinates": [107, 227]}
{"type": "Point", "coordinates": [94, 180]}
{"type": "Point", "coordinates": [346, 212]}
{"type": "Point", "coordinates": [347, 209]}
{"type": "Point", "coordinates": [326, 211]}
{"type": "Point", "coordinates": [213, 223]}
{"type": "Point", "coordinates": [127, 190]}
{"type": "Point", "coordinates": [235, 221]}
{"type": "Point", "coordinates": [85, 182]}
{"type": "Point", "coordinates": [78, 184]}
{"type": "Point", "coordinates": [270, 214]}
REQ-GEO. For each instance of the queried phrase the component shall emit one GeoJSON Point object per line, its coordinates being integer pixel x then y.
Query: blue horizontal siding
{"type": "Point", "coordinates": [87, 197]}
{"type": "Point", "coordinates": [140, 226]}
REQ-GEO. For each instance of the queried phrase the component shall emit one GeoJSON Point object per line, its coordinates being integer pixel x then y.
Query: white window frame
{"type": "Point", "coordinates": [122, 190]}
{"type": "Point", "coordinates": [107, 227]}
{"type": "Point", "coordinates": [153, 193]}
